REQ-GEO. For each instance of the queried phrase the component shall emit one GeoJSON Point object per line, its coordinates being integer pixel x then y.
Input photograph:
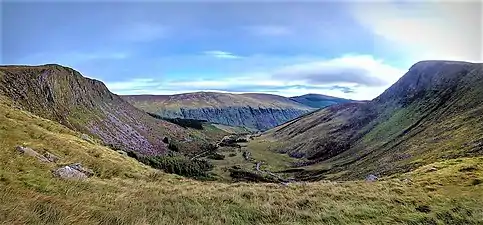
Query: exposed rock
{"type": "Point", "coordinates": [432, 169]}
{"type": "Point", "coordinates": [69, 173]}
{"type": "Point", "coordinates": [86, 137]}
{"type": "Point", "coordinates": [30, 152]}
{"type": "Point", "coordinates": [121, 152]}
{"type": "Point", "coordinates": [246, 155]}
{"type": "Point", "coordinates": [371, 178]}
{"type": "Point", "coordinates": [51, 157]}
{"type": "Point", "coordinates": [80, 168]}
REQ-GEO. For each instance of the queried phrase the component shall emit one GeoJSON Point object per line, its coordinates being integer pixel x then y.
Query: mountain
{"type": "Point", "coordinates": [432, 113]}
{"type": "Point", "coordinates": [121, 190]}
{"type": "Point", "coordinates": [62, 94]}
{"type": "Point", "coordinates": [319, 101]}
{"type": "Point", "coordinates": [124, 191]}
{"type": "Point", "coordinates": [255, 111]}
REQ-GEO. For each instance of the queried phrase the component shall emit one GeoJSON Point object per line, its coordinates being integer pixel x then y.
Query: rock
{"type": "Point", "coordinates": [285, 183]}
{"type": "Point", "coordinates": [432, 169]}
{"type": "Point", "coordinates": [69, 173]}
{"type": "Point", "coordinates": [371, 178]}
{"type": "Point", "coordinates": [122, 152]}
{"type": "Point", "coordinates": [51, 157]}
{"type": "Point", "coordinates": [406, 181]}
{"type": "Point", "coordinates": [86, 137]}
{"type": "Point", "coordinates": [246, 155]}
{"type": "Point", "coordinates": [80, 168]}
{"type": "Point", "coordinates": [30, 152]}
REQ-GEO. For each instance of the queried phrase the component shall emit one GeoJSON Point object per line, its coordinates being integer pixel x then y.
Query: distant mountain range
{"type": "Point", "coordinates": [254, 111]}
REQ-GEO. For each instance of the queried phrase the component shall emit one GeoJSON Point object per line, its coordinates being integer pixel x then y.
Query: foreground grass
{"type": "Point", "coordinates": [126, 192]}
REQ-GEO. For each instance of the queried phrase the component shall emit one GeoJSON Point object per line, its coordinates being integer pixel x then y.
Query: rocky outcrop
{"type": "Point", "coordinates": [73, 172]}
{"type": "Point", "coordinates": [255, 118]}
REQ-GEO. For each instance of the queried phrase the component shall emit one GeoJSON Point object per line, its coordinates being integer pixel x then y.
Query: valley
{"type": "Point", "coordinates": [410, 156]}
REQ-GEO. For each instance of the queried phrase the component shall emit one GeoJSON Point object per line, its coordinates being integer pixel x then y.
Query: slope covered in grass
{"type": "Point", "coordinates": [432, 113]}
{"type": "Point", "coordinates": [122, 191]}
{"type": "Point", "coordinates": [86, 105]}
{"type": "Point", "coordinates": [318, 100]}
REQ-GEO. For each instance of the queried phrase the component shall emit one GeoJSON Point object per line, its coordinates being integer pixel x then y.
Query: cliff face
{"type": "Point", "coordinates": [433, 112]}
{"type": "Point", "coordinates": [62, 94]}
{"type": "Point", "coordinates": [254, 111]}
{"type": "Point", "coordinates": [256, 118]}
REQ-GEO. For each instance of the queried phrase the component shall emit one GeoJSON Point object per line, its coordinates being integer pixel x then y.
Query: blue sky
{"type": "Point", "coordinates": [352, 49]}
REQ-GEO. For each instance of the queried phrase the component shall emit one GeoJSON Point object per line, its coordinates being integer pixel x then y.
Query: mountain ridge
{"type": "Point", "coordinates": [393, 133]}
{"type": "Point", "coordinates": [62, 94]}
{"type": "Point", "coordinates": [251, 110]}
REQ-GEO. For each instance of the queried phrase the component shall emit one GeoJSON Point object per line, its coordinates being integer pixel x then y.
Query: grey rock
{"type": "Point", "coordinates": [80, 168]}
{"type": "Point", "coordinates": [30, 152]}
{"type": "Point", "coordinates": [432, 169]}
{"type": "Point", "coordinates": [69, 173]}
{"type": "Point", "coordinates": [121, 152]}
{"type": "Point", "coordinates": [246, 155]}
{"type": "Point", "coordinates": [285, 183]}
{"type": "Point", "coordinates": [371, 178]}
{"type": "Point", "coordinates": [86, 137]}
{"type": "Point", "coordinates": [51, 157]}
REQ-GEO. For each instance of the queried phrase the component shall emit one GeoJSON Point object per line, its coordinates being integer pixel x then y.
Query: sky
{"type": "Point", "coordinates": [352, 49]}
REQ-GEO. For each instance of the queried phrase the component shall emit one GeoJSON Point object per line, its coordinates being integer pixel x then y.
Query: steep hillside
{"type": "Point", "coordinates": [432, 113]}
{"type": "Point", "coordinates": [256, 111]}
{"type": "Point", "coordinates": [319, 101]}
{"type": "Point", "coordinates": [86, 105]}
{"type": "Point", "coordinates": [123, 191]}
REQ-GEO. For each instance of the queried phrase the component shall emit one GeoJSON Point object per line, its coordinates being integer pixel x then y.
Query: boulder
{"type": "Point", "coordinates": [246, 155]}
{"type": "Point", "coordinates": [371, 178]}
{"type": "Point", "coordinates": [432, 169]}
{"type": "Point", "coordinates": [122, 152]}
{"type": "Point", "coordinates": [86, 137]}
{"type": "Point", "coordinates": [51, 157]}
{"type": "Point", "coordinates": [69, 173]}
{"type": "Point", "coordinates": [80, 168]}
{"type": "Point", "coordinates": [30, 152]}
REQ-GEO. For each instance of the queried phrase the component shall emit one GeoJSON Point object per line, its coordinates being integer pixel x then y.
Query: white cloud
{"type": "Point", "coordinates": [349, 69]}
{"type": "Point", "coordinates": [427, 30]}
{"type": "Point", "coordinates": [221, 54]}
{"type": "Point", "coordinates": [269, 81]}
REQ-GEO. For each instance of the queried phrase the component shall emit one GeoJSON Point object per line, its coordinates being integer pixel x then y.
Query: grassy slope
{"type": "Point", "coordinates": [318, 101]}
{"type": "Point", "coordinates": [153, 103]}
{"type": "Point", "coordinates": [430, 114]}
{"type": "Point", "coordinates": [126, 192]}
{"type": "Point", "coordinates": [64, 95]}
